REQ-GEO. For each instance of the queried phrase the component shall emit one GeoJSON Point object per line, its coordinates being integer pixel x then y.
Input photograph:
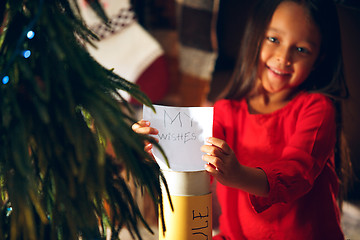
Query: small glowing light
{"type": "Point", "coordinates": [26, 53]}
{"type": "Point", "coordinates": [30, 34]}
{"type": "Point", "coordinates": [5, 80]}
{"type": "Point", "coordinates": [9, 210]}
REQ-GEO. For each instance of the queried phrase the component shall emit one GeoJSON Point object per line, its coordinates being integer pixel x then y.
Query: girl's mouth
{"type": "Point", "coordinates": [279, 72]}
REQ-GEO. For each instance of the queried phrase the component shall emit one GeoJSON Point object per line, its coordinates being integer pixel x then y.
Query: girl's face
{"type": "Point", "coordinates": [289, 50]}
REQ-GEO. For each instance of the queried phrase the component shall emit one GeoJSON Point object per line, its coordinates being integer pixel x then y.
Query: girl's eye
{"type": "Point", "coordinates": [302, 50]}
{"type": "Point", "coordinates": [272, 39]}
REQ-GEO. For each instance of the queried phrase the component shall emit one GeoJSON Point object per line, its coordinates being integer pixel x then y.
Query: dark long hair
{"type": "Point", "coordinates": [327, 77]}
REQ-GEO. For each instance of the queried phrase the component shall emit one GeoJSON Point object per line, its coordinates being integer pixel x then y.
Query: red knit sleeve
{"type": "Point", "coordinates": [305, 156]}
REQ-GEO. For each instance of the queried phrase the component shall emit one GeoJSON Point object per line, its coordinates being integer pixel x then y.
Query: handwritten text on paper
{"type": "Point", "coordinates": [182, 132]}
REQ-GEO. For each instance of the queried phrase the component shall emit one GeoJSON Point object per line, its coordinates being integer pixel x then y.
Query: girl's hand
{"type": "Point", "coordinates": [224, 166]}
{"type": "Point", "coordinates": [221, 162]}
{"type": "Point", "coordinates": [143, 127]}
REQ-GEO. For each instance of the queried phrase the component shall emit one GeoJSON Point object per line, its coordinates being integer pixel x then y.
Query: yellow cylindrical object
{"type": "Point", "coordinates": [192, 202]}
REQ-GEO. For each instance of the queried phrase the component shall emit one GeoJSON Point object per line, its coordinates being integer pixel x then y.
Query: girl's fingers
{"type": "Point", "coordinates": [221, 144]}
{"type": "Point", "coordinates": [210, 169]}
{"type": "Point", "coordinates": [148, 147]}
{"type": "Point", "coordinates": [141, 123]}
{"type": "Point", "coordinates": [145, 130]}
{"type": "Point", "coordinates": [213, 151]}
{"type": "Point", "coordinates": [143, 127]}
{"type": "Point", "coordinates": [214, 162]}
{"type": "Point", "coordinates": [144, 123]}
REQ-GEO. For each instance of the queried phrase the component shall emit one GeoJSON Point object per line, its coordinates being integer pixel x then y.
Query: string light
{"type": "Point", "coordinates": [8, 211]}
{"type": "Point", "coordinates": [26, 53]}
{"type": "Point", "coordinates": [30, 34]}
{"type": "Point", "coordinates": [5, 80]}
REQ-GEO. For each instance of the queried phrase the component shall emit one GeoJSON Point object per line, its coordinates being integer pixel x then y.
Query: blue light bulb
{"type": "Point", "coordinates": [26, 53]}
{"type": "Point", "coordinates": [5, 80]}
{"type": "Point", "coordinates": [30, 34]}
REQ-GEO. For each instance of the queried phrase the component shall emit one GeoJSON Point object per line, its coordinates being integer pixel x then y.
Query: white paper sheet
{"type": "Point", "coordinates": [182, 132]}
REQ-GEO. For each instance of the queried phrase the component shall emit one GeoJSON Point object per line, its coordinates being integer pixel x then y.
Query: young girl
{"type": "Point", "coordinates": [275, 132]}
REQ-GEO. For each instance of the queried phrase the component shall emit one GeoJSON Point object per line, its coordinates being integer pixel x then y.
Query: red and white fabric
{"type": "Point", "coordinates": [128, 48]}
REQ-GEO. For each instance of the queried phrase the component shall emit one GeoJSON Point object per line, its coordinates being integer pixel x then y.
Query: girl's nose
{"type": "Point", "coordinates": [283, 56]}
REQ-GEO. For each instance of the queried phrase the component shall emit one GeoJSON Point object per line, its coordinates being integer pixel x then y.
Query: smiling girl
{"type": "Point", "coordinates": [275, 133]}
{"type": "Point", "coordinates": [275, 149]}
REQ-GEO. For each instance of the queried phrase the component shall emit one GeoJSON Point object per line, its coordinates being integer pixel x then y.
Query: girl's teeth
{"type": "Point", "coordinates": [278, 72]}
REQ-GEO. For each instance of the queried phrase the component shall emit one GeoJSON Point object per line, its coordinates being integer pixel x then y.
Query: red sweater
{"type": "Point", "coordinates": [295, 147]}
